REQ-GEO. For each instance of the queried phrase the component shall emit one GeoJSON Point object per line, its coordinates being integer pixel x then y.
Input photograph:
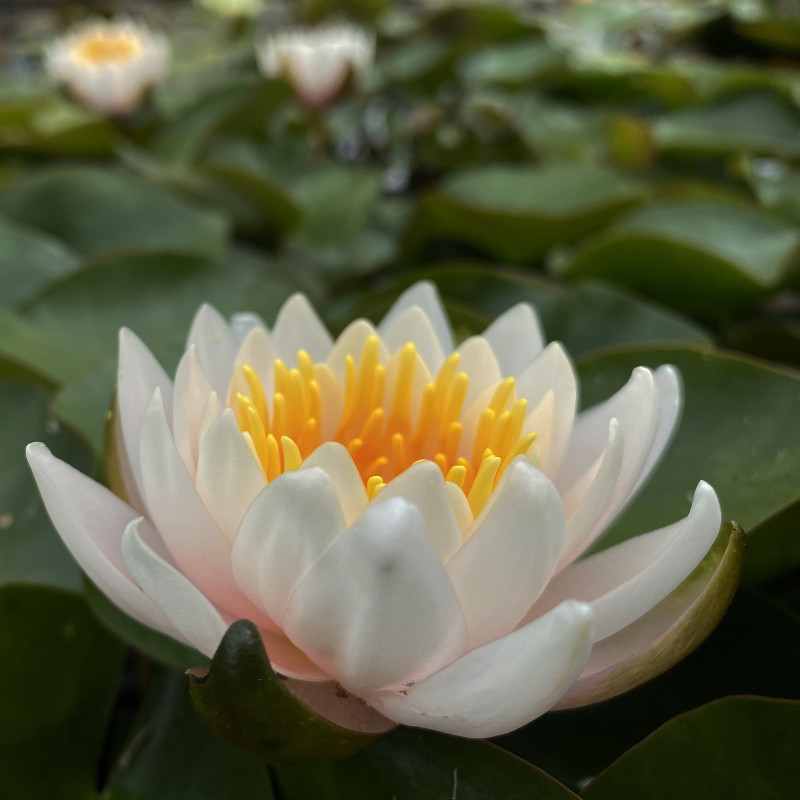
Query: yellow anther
{"type": "Point", "coordinates": [291, 454]}
{"type": "Point", "coordinates": [281, 373]}
{"type": "Point", "coordinates": [377, 466]}
{"type": "Point", "coordinates": [374, 485]}
{"type": "Point", "coordinates": [457, 474]}
{"type": "Point", "coordinates": [519, 449]}
{"type": "Point", "coordinates": [280, 424]}
{"type": "Point", "coordinates": [256, 392]}
{"type": "Point", "coordinates": [443, 380]}
{"type": "Point", "coordinates": [483, 484]}
{"type": "Point", "coordinates": [398, 460]}
{"type": "Point", "coordinates": [483, 434]}
{"type": "Point", "coordinates": [306, 366]}
{"type": "Point", "coordinates": [500, 435]}
{"type": "Point", "coordinates": [273, 459]}
{"type": "Point", "coordinates": [501, 395]}
{"type": "Point", "coordinates": [243, 405]}
{"type": "Point", "coordinates": [441, 461]}
{"type": "Point", "coordinates": [452, 441]}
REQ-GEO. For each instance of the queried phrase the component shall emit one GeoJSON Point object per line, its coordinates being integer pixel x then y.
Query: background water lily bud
{"type": "Point", "coordinates": [318, 61]}
{"type": "Point", "coordinates": [399, 516]}
{"type": "Point", "coordinates": [108, 65]}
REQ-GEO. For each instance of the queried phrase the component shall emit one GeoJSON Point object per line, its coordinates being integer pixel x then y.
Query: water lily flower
{"type": "Point", "coordinates": [108, 65]}
{"type": "Point", "coordinates": [318, 61]}
{"type": "Point", "coordinates": [399, 516]}
{"type": "Point", "coordinates": [233, 8]}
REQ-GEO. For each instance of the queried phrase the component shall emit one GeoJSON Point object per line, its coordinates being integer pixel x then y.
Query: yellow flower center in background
{"type": "Point", "coordinates": [98, 48]}
{"type": "Point", "coordinates": [383, 437]}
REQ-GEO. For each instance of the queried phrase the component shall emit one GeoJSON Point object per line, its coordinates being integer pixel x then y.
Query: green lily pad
{"type": "Point", "coordinates": [171, 756]}
{"type": "Point", "coordinates": [702, 257]}
{"type": "Point", "coordinates": [758, 122]}
{"type": "Point", "coordinates": [411, 764]}
{"type": "Point", "coordinates": [30, 550]}
{"type": "Point", "coordinates": [95, 212]}
{"type": "Point", "coordinates": [246, 704]}
{"type": "Point", "coordinates": [738, 748]}
{"type": "Point", "coordinates": [64, 670]}
{"type": "Point", "coordinates": [519, 62]}
{"type": "Point", "coordinates": [519, 213]}
{"type": "Point", "coordinates": [737, 432]}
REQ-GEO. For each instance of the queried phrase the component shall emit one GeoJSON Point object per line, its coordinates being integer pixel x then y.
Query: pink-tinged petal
{"type": "Point", "coordinates": [138, 376]}
{"type": "Point", "coordinates": [413, 325]}
{"type": "Point", "coordinates": [584, 502]}
{"type": "Point", "coordinates": [510, 553]}
{"type": "Point", "coordinates": [195, 541]}
{"type": "Point", "coordinates": [502, 685]}
{"type": "Point", "coordinates": [228, 476]}
{"type": "Point", "coordinates": [192, 614]}
{"type": "Point", "coordinates": [216, 347]}
{"type": "Point", "coordinates": [298, 327]}
{"type": "Point", "coordinates": [425, 296]}
{"type": "Point", "coordinates": [423, 485]}
{"type": "Point", "coordinates": [624, 582]}
{"type": "Point", "coordinates": [335, 461]}
{"type": "Point", "coordinates": [668, 632]}
{"type": "Point", "coordinates": [286, 530]}
{"type": "Point", "coordinates": [478, 362]}
{"type": "Point", "coordinates": [91, 521]}
{"type": "Point", "coordinates": [376, 609]}
{"type": "Point", "coordinates": [636, 408]}
{"type": "Point", "coordinates": [551, 371]}
{"type": "Point", "coordinates": [516, 338]}
{"type": "Point", "coordinates": [192, 390]}
{"type": "Point", "coordinates": [244, 322]}
{"type": "Point", "coordinates": [339, 707]}
{"type": "Point", "coordinates": [351, 343]}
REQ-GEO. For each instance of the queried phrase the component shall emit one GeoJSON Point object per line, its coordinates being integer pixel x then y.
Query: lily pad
{"type": "Point", "coordinates": [519, 213]}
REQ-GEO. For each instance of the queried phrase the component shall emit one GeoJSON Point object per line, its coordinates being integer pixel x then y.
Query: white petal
{"type": "Point", "coordinates": [298, 327]}
{"type": "Point", "coordinates": [423, 485]}
{"type": "Point", "coordinates": [516, 338]}
{"type": "Point", "coordinates": [502, 685]}
{"type": "Point", "coordinates": [192, 614]}
{"type": "Point", "coordinates": [228, 477]}
{"type": "Point", "coordinates": [413, 325]}
{"type": "Point", "coordinates": [510, 554]}
{"type": "Point", "coordinates": [256, 351]}
{"type": "Point", "coordinates": [341, 708]}
{"type": "Point", "coordinates": [625, 581]}
{"type": "Point", "coordinates": [195, 541]}
{"type": "Point", "coordinates": [551, 371]}
{"type": "Point", "coordinates": [285, 531]}
{"type": "Point", "coordinates": [244, 322]}
{"type": "Point", "coordinates": [216, 347]}
{"type": "Point", "coordinates": [478, 361]}
{"type": "Point", "coordinates": [138, 376]}
{"type": "Point", "coordinates": [585, 501]}
{"type": "Point", "coordinates": [91, 521]}
{"type": "Point", "coordinates": [334, 459]}
{"type": "Point", "coordinates": [425, 296]}
{"type": "Point", "coordinates": [376, 609]}
{"type": "Point", "coordinates": [636, 408]}
{"type": "Point", "coordinates": [351, 343]}
{"type": "Point", "coordinates": [192, 390]}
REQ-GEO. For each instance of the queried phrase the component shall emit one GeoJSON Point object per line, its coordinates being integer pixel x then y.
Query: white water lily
{"type": "Point", "coordinates": [400, 517]}
{"type": "Point", "coordinates": [318, 61]}
{"type": "Point", "coordinates": [108, 65]}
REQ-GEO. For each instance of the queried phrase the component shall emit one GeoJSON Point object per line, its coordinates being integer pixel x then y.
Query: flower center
{"type": "Point", "coordinates": [99, 49]}
{"type": "Point", "coordinates": [381, 430]}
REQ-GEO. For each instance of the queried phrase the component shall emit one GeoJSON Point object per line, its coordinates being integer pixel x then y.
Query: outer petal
{"type": "Point", "coordinates": [192, 390]}
{"type": "Point", "coordinates": [510, 553]}
{"type": "Point", "coordinates": [139, 375]}
{"type": "Point", "coordinates": [478, 361]}
{"type": "Point", "coordinates": [516, 338]}
{"type": "Point", "coordinates": [216, 346]}
{"type": "Point", "coordinates": [507, 683]}
{"type": "Point", "coordinates": [424, 295]}
{"type": "Point", "coordinates": [624, 582]}
{"type": "Point", "coordinates": [377, 609]}
{"type": "Point", "coordinates": [244, 322]}
{"type": "Point", "coordinates": [91, 521]}
{"type": "Point", "coordinates": [228, 477]}
{"type": "Point", "coordinates": [666, 633]}
{"type": "Point", "coordinates": [413, 325]}
{"type": "Point", "coordinates": [192, 614]}
{"type": "Point", "coordinates": [286, 530]}
{"type": "Point", "coordinates": [193, 538]}
{"type": "Point", "coordinates": [423, 485]}
{"type": "Point", "coordinates": [351, 343]}
{"type": "Point", "coordinates": [336, 462]}
{"type": "Point", "coordinates": [298, 327]}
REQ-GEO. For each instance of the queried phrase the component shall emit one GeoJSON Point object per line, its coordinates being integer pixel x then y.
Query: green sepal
{"type": "Point", "coordinates": [241, 699]}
